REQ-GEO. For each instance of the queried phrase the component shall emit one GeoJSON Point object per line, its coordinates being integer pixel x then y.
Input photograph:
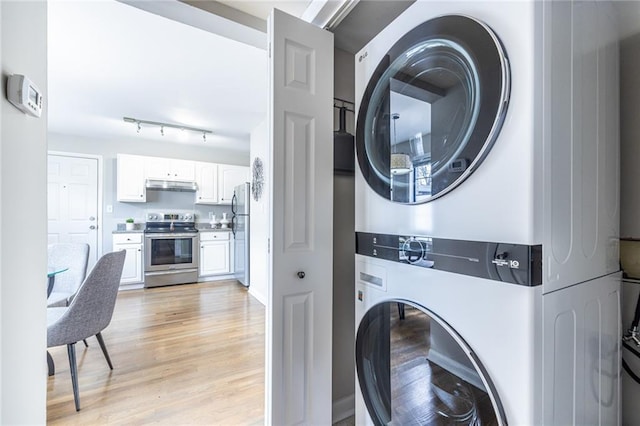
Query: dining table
{"type": "Point", "coordinates": [52, 271]}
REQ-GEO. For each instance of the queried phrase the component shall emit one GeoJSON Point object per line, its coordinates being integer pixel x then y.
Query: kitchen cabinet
{"type": "Point", "coordinates": [130, 179]}
{"type": "Point", "coordinates": [169, 169]}
{"type": "Point", "coordinates": [228, 178]}
{"type": "Point", "coordinates": [133, 266]}
{"type": "Point", "coordinates": [215, 253]}
{"type": "Point", "coordinates": [207, 180]}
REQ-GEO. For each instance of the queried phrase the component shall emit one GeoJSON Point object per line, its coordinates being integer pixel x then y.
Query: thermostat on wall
{"type": "Point", "coordinates": [22, 93]}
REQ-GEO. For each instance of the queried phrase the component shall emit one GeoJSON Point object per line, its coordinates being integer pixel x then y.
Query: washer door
{"type": "Point", "coordinates": [432, 109]}
{"type": "Point", "coordinates": [413, 369]}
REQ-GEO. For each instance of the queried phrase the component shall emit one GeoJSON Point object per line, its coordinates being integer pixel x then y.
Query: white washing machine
{"type": "Point", "coordinates": [487, 208]}
{"type": "Point", "coordinates": [475, 351]}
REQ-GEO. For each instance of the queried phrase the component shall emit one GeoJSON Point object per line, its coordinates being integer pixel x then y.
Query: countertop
{"type": "Point", "coordinates": [202, 227]}
{"type": "Point", "coordinates": [205, 227]}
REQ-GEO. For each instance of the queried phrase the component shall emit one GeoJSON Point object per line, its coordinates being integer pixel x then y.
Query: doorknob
{"type": "Point", "coordinates": [92, 227]}
{"type": "Point", "coordinates": [300, 274]}
{"type": "Point", "coordinates": [92, 218]}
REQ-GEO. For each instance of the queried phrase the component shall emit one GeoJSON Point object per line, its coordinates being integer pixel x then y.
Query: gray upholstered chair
{"type": "Point", "coordinates": [75, 257]}
{"type": "Point", "coordinates": [88, 313]}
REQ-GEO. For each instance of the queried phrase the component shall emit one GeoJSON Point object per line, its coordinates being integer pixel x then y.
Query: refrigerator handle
{"type": "Point", "coordinates": [233, 224]}
{"type": "Point", "coordinates": [234, 201]}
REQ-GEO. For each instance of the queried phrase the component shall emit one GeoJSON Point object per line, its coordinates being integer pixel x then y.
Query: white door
{"type": "Point", "coordinates": [72, 205]}
{"type": "Point", "coordinates": [300, 302]}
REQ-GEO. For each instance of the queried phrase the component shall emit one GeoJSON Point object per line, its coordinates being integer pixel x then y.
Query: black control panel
{"type": "Point", "coordinates": [510, 263]}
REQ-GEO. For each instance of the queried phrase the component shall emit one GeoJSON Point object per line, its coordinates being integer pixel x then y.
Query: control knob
{"type": "Point", "coordinates": [413, 250]}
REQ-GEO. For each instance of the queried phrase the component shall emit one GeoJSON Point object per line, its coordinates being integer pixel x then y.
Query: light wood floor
{"type": "Point", "coordinates": [189, 354]}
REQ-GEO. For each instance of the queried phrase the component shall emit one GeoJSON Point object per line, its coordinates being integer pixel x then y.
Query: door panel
{"type": "Point", "coordinates": [300, 311]}
{"type": "Point", "coordinates": [73, 202]}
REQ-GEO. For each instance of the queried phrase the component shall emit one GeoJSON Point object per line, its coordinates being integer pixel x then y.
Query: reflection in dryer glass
{"type": "Point", "coordinates": [413, 372]}
{"type": "Point", "coordinates": [427, 103]}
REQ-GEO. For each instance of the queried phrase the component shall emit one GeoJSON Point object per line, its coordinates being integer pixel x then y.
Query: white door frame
{"type": "Point", "coordinates": [99, 192]}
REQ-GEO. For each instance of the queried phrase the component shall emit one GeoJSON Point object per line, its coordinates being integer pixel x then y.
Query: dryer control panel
{"type": "Point", "coordinates": [510, 263]}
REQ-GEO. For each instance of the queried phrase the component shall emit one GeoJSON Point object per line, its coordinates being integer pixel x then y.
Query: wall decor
{"type": "Point", "coordinates": [258, 178]}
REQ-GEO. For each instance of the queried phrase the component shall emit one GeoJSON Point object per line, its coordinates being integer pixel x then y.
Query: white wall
{"type": "Point", "coordinates": [23, 225]}
{"type": "Point", "coordinates": [158, 200]}
{"type": "Point", "coordinates": [260, 218]}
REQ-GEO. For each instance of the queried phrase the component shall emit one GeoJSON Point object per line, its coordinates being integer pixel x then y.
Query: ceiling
{"type": "Point", "coordinates": [108, 60]}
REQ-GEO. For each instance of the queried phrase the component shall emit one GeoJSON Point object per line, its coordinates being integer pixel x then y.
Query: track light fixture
{"type": "Point", "coordinates": [139, 124]}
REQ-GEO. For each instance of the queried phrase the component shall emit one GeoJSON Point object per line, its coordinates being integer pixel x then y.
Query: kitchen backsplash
{"type": "Point", "coordinates": [160, 201]}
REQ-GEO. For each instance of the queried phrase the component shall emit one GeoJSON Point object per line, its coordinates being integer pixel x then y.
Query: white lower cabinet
{"type": "Point", "coordinates": [215, 253]}
{"type": "Point", "coordinates": [133, 267]}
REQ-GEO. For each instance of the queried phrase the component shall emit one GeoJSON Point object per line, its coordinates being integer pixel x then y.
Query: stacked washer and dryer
{"type": "Point", "coordinates": [487, 273]}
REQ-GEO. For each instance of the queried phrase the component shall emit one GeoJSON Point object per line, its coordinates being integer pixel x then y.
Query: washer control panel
{"type": "Point", "coordinates": [511, 263]}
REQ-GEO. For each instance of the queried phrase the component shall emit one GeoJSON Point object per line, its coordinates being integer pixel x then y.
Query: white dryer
{"type": "Point", "coordinates": [488, 121]}
{"type": "Point", "coordinates": [487, 215]}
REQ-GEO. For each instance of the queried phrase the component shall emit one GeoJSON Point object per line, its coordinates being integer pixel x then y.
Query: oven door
{"type": "Point", "coordinates": [166, 252]}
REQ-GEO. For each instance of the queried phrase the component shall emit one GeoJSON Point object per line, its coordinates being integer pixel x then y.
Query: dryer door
{"type": "Point", "coordinates": [432, 109]}
{"type": "Point", "coordinates": [413, 369]}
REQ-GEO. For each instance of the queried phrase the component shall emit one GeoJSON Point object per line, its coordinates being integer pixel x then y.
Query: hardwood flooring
{"type": "Point", "coordinates": [187, 354]}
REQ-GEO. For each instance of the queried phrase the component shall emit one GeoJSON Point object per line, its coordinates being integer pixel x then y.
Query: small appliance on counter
{"type": "Point", "coordinates": [171, 249]}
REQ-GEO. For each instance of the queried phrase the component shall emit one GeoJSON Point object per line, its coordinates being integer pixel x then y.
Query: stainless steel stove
{"type": "Point", "coordinates": [171, 249]}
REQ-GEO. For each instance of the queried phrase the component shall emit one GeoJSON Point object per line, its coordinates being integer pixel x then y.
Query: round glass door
{"type": "Point", "coordinates": [413, 369]}
{"type": "Point", "coordinates": [432, 109]}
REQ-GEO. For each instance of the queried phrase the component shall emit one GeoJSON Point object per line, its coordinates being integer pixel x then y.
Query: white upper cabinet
{"type": "Point", "coordinates": [215, 182]}
{"type": "Point", "coordinates": [169, 169]}
{"type": "Point", "coordinates": [130, 179]}
{"type": "Point", "coordinates": [207, 180]}
{"type": "Point", "coordinates": [228, 178]}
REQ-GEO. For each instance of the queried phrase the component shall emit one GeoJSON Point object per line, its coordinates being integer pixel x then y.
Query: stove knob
{"type": "Point", "coordinates": [413, 250]}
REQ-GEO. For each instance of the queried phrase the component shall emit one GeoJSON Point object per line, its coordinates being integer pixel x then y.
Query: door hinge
{"type": "Point", "coordinates": [268, 245]}
{"type": "Point", "coordinates": [269, 49]}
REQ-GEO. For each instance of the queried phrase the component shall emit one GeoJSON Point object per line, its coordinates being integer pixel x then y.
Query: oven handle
{"type": "Point", "coordinates": [172, 271]}
{"type": "Point", "coordinates": [168, 236]}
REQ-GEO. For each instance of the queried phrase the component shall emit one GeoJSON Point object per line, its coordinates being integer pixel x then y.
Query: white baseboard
{"type": "Point", "coordinates": [343, 408]}
{"type": "Point", "coordinates": [216, 278]}
{"type": "Point", "coordinates": [258, 296]}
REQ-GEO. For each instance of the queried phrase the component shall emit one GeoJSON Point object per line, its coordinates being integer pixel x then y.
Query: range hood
{"type": "Point", "coordinates": [171, 185]}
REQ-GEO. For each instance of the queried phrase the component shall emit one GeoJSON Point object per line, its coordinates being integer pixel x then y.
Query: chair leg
{"type": "Point", "coordinates": [104, 349]}
{"type": "Point", "coordinates": [50, 364]}
{"type": "Point", "coordinates": [401, 310]}
{"type": "Point", "coordinates": [71, 350]}
{"type": "Point", "coordinates": [86, 345]}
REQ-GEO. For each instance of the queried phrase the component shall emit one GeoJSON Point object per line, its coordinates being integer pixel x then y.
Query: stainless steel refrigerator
{"type": "Point", "coordinates": [240, 227]}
